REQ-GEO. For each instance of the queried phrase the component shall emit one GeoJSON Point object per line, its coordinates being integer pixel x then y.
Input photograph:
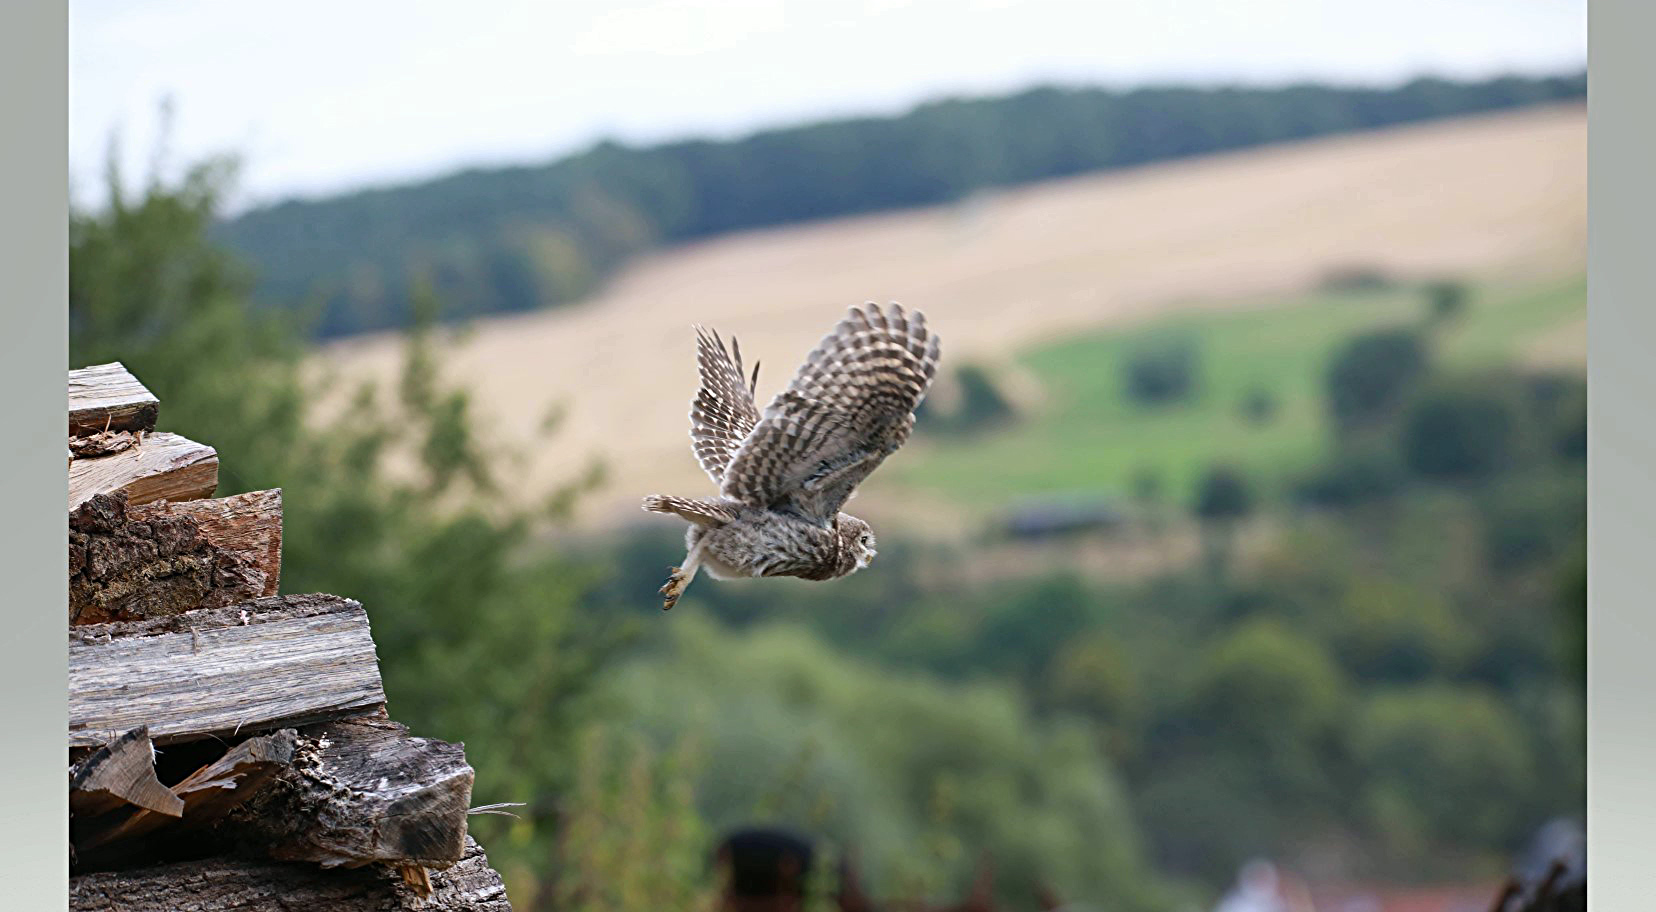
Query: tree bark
{"type": "Point", "coordinates": [161, 466]}
{"type": "Point", "coordinates": [261, 886]}
{"type": "Point", "coordinates": [155, 560]}
{"type": "Point", "coordinates": [108, 397]}
{"type": "Point", "coordinates": [219, 672]}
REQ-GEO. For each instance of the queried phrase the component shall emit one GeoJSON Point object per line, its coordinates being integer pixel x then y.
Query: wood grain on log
{"type": "Point", "coordinates": [108, 396]}
{"type": "Point", "coordinates": [163, 466]}
{"type": "Point", "coordinates": [364, 791]}
{"type": "Point", "coordinates": [216, 672]}
{"type": "Point", "coordinates": [204, 798]}
{"type": "Point", "coordinates": [264, 886]}
{"type": "Point", "coordinates": [118, 774]}
{"type": "Point", "coordinates": [248, 524]}
{"type": "Point", "coordinates": [154, 560]}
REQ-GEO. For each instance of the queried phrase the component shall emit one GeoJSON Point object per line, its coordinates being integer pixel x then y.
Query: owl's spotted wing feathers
{"type": "Point", "coordinates": [723, 412]}
{"type": "Point", "coordinates": [849, 407]}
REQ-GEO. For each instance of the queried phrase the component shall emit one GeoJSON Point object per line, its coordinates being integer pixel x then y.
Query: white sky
{"type": "Point", "coordinates": [324, 96]}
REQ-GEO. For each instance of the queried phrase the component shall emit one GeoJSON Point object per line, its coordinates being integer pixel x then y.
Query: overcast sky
{"type": "Point", "coordinates": [321, 95]}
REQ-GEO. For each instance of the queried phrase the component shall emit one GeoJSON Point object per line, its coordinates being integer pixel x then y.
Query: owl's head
{"type": "Point", "coordinates": [857, 542]}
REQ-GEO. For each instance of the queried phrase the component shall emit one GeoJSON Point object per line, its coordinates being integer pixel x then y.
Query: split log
{"type": "Point", "coordinates": [248, 525]}
{"type": "Point", "coordinates": [156, 560]}
{"type": "Point", "coordinates": [162, 466]}
{"type": "Point", "coordinates": [118, 774]}
{"type": "Point", "coordinates": [264, 886]}
{"type": "Point", "coordinates": [204, 798]}
{"type": "Point", "coordinates": [108, 397]}
{"type": "Point", "coordinates": [218, 672]}
{"type": "Point", "coordinates": [361, 792]}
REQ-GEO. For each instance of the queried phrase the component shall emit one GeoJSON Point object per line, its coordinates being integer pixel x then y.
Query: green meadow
{"type": "Point", "coordinates": [1089, 437]}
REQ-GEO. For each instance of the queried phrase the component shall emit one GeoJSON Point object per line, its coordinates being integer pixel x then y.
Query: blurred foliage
{"type": "Point", "coordinates": [909, 773]}
{"type": "Point", "coordinates": [1164, 371]}
{"type": "Point", "coordinates": [1372, 374]}
{"type": "Point", "coordinates": [513, 239]}
{"type": "Point", "coordinates": [1446, 300]}
{"type": "Point", "coordinates": [394, 500]}
{"type": "Point", "coordinates": [981, 405]}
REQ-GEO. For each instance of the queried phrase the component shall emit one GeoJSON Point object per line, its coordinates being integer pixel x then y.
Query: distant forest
{"type": "Point", "coordinates": [516, 239]}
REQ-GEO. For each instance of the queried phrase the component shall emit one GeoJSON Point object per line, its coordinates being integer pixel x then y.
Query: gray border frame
{"type": "Point", "coordinates": [34, 272]}
{"type": "Point", "coordinates": [1621, 461]}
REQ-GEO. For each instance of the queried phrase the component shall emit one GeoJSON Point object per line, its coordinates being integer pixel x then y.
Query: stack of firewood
{"type": "Point", "coordinates": [228, 746]}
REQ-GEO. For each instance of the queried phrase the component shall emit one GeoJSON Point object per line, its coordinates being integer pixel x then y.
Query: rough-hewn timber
{"type": "Point", "coordinates": [130, 563]}
{"type": "Point", "coordinates": [260, 886]}
{"type": "Point", "coordinates": [162, 466]}
{"type": "Point", "coordinates": [120, 773]}
{"type": "Point", "coordinates": [108, 396]}
{"type": "Point", "coordinates": [217, 672]}
{"type": "Point", "coordinates": [363, 791]}
{"type": "Point", "coordinates": [204, 798]}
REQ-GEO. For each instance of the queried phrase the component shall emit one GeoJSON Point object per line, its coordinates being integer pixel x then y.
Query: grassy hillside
{"type": "Point", "coordinates": [516, 239]}
{"type": "Point", "coordinates": [1090, 436]}
{"type": "Point", "coordinates": [1500, 195]}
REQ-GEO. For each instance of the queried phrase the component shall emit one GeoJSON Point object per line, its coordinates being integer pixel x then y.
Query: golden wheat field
{"type": "Point", "coordinates": [1494, 196]}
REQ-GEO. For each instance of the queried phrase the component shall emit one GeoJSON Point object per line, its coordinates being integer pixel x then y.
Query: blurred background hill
{"type": "Point", "coordinates": [1247, 520]}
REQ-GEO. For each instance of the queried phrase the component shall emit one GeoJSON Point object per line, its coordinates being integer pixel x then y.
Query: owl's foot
{"type": "Point", "coordinates": [673, 588]}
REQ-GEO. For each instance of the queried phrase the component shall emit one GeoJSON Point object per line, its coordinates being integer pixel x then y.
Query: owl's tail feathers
{"type": "Point", "coordinates": [700, 512]}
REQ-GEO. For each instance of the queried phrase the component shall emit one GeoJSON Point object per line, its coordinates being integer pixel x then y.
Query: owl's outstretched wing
{"type": "Point", "coordinates": [849, 407]}
{"type": "Point", "coordinates": [723, 413]}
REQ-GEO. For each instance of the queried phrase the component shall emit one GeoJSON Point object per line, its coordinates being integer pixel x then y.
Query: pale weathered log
{"type": "Point", "coordinates": [204, 798]}
{"type": "Point", "coordinates": [162, 466]}
{"type": "Point", "coordinates": [249, 525]}
{"type": "Point", "coordinates": [118, 774]}
{"type": "Point", "coordinates": [216, 672]}
{"type": "Point", "coordinates": [130, 563]}
{"type": "Point", "coordinates": [108, 397]}
{"type": "Point", "coordinates": [267, 886]}
{"type": "Point", "coordinates": [363, 791]}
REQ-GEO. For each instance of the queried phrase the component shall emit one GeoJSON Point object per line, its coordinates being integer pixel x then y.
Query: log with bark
{"type": "Point", "coordinates": [160, 466]}
{"type": "Point", "coordinates": [156, 560]}
{"type": "Point", "coordinates": [219, 672]}
{"type": "Point", "coordinates": [107, 397]}
{"type": "Point", "coordinates": [268, 886]}
{"type": "Point", "coordinates": [360, 792]}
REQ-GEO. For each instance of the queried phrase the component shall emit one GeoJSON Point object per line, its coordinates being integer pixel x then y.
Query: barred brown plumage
{"type": "Point", "coordinates": [784, 473]}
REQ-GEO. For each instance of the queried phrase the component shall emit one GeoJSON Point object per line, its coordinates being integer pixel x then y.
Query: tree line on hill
{"type": "Point", "coordinates": [515, 239]}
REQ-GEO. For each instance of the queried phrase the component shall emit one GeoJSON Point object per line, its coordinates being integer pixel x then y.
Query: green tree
{"type": "Point", "coordinates": [1442, 760]}
{"type": "Point", "coordinates": [478, 632]}
{"type": "Point", "coordinates": [1372, 374]}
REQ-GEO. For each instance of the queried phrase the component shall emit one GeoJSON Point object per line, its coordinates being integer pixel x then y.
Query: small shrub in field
{"type": "Point", "coordinates": [1163, 373]}
{"type": "Point", "coordinates": [1446, 300]}
{"type": "Point", "coordinates": [1224, 494]}
{"type": "Point", "coordinates": [1372, 374]}
{"type": "Point", "coordinates": [1259, 406]}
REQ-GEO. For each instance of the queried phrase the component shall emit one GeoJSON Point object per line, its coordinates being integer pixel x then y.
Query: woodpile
{"type": "Point", "coordinates": [228, 746]}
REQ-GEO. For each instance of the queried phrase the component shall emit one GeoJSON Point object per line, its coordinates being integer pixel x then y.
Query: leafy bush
{"type": "Point", "coordinates": [1223, 494]}
{"type": "Point", "coordinates": [1163, 372]}
{"type": "Point", "coordinates": [1372, 374]}
{"type": "Point", "coordinates": [1460, 433]}
{"type": "Point", "coordinates": [1446, 300]}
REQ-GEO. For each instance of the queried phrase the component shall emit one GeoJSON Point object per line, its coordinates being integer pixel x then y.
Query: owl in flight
{"type": "Point", "coordinates": [784, 474]}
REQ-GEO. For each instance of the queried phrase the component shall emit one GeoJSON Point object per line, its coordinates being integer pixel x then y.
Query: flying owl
{"type": "Point", "coordinates": [784, 474]}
